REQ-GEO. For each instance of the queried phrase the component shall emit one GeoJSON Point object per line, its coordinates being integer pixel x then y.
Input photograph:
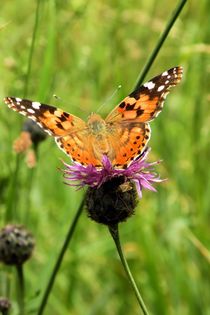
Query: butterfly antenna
{"type": "Point", "coordinates": [60, 99]}
{"type": "Point", "coordinates": [109, 98]}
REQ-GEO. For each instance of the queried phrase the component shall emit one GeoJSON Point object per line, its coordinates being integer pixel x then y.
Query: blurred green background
{"type": "Point", "coordinates": [82, 51]}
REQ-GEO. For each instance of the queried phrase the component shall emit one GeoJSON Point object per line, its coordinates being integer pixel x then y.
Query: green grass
{"type": "Point", "coordinates": [82, 52]}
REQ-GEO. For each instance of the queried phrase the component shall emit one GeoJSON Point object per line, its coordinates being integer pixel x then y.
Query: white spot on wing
{"type": "Point", "coordinates": [22, 112]}
{"type": "Point", "coordinates": [39, 124]}
{"type": "Point", "coordinates": [164, 73]}
{"type": "Point", "coordinates": [36, 105]}
{"type": "Point", "coordinates": [18, 99]}
{"type": "Point", "coordinates": [160, 88]}
{"type": "Point", "coordinates": [57, 141]}
{"type": "Point", "coordinates": [49, 132]}
{"type": "Point", "coordinates": [164, 95]}
{"type": "Point", "coordinates": [32, 117]}
{"type": "Point", "coordinates": [31, 111]}
{"type": "Point", "coordinates": [150, 85]}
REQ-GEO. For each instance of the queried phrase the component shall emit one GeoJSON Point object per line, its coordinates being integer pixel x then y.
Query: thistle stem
{"type": "Point", "coordinates": [32, 48]}
{"type": "Point", "coordinates": [115, 235]}
{"type": "Point", "coordinates": [20, 288]}
{"type": "Point", "coordinates": [12, 199]}
{"type": "Point", "coordinates": [60, 258]}
{"type": "Point", "coordinates": [160, 42]}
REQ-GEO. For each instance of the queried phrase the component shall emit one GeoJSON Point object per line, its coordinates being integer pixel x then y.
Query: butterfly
{"type": "Point", "coordinates": [122, 135]}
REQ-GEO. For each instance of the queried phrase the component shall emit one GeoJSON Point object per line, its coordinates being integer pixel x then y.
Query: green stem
{"type": "Point", "coordinates": [21, 289]}
{"type": "Point", "coordinates": [115, 235]}
{"type": "Point", "coordinates": [30, 179]}
{"type": "Point", "coordinates": [60, 258]}
{"type": "Point", "coordinates": [160, 42]}
{"type": "Point", "coordinates": [32, 48]}
{"type": "Point", "coordinates": [12, 199]}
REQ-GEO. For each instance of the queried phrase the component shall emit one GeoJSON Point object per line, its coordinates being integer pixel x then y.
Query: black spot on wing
{"type": "Point", "coordinates": [130, 107]}
{"type": "Point", "coordinates": [59, 125]}
{"type": "Point", "coordinates": [122, 105]}
{"type": "Point", "coordinates": [139, 112]}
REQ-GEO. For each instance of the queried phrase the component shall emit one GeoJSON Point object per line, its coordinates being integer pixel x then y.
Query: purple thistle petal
{"type": "Point", "coordinates": [139, 171]}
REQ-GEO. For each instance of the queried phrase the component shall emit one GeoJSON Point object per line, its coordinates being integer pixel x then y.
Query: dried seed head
{"type": "Point", "coordinates": [113, 202]}
{"type": "Point", "coordinates": [16, 244]}
{"type": "Point", "coordinates": [31, 159]}
{"type": "Point", "coordinates": [4, 305]}
{"type": "Point", "coordinates": [23, 142]}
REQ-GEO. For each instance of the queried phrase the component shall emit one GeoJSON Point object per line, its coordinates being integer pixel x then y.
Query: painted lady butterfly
{"type": "Point", "coordinates": [122, 136]}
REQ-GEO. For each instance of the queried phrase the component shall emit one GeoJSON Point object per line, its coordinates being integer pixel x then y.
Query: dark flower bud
{"type": "Point", "coordinates": [36, 133]}
{"type": "Point", "coordinates": [113, 202]}
{"type": "Point", "coordinates": [16, 244]}
{"type": "Point", "coordinates": [4, 305]}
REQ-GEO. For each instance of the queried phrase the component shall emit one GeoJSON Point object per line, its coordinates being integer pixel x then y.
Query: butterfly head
{"type": "Point", "coordinates": [96, 124]}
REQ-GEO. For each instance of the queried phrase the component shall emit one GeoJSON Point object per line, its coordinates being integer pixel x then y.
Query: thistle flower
{"type": "Point", "coordinates": [16, 244]}
{"type": "Point", "coordinates": [140, 172]}
{"type": "Point", "coordinates": [111, 194]}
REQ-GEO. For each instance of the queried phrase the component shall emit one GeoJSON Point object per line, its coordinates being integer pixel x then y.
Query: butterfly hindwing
{"type": "Point", "coordinates": [79, 147]}
{"type": "Point", "coordinates": [130, 144]}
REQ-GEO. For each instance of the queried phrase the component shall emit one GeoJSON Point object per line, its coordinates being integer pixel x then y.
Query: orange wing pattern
{"type": "Point", "coordinates": [130, 143]}
{"type": "Point", "coordinates": [146, 102]}
{"type": "Point", "coordinates": [79, 147]}
{"type": "Point", "coordinates": [70, 132]}
{"type": "Point", "coordinates": [51, 119]}
{"type": "Point", "coordinates": [132, 115]}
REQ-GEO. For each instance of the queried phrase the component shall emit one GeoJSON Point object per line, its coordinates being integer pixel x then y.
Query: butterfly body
{"type": "Point", "coordinates": [97, 131]}
{"type": "Point", "coordinates": [122, 135]}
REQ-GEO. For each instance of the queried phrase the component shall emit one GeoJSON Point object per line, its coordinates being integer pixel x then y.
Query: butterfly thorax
{"type": "Point", "coordinates": [96, 125]}
{"type": "Point", "coordinates": [97, 128]}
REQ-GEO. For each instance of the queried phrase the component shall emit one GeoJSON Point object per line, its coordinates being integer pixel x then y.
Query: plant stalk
{"type": "Point", "coordinates": [20, 289]}
{"type": "Point", "coordinates": [114, 231]}
{"type": "Point", "coordinates": [160, 43]}
{"type": "Point", "coordinates": [28, 75]}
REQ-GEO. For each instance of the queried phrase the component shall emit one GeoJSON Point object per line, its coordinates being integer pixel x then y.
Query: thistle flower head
{"type": "Point", "coordinates": [111, 195]}
{"type": "Point", "coordinates": [140, 172]}
{"type": "Point", "coordinates": [16, 244]}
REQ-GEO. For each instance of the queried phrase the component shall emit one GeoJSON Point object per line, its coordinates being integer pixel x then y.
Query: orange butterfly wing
{"type": "Point", "coordinates": [146, 102]}
{"type": "Point", "coordinates": [130, 142]}
{"type": "Point", "coordinates": [131, 116]}
{"type": "Point", "coordinates": [51, 119]}
{"type": "Point", "coordinates": [79, 146]}
{"type": "Point", "coordinates": [70, 132]}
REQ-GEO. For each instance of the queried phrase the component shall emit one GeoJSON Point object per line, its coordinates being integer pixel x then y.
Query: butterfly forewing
{"type": "Point", "coordinates": [146, 102]}
{"type": "Point", "coordinates": [51, 119]}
